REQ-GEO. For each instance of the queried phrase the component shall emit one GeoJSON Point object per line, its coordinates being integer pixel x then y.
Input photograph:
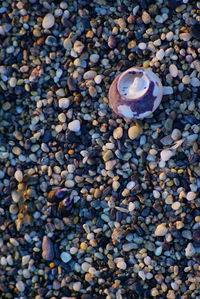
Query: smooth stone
{"type": "Point", "coordinates": [107, 155]}
{"type": "Point", "coordinates": [176, 205]}
{"type": "Point", "coordinates": [195, 82]}
{"type": "Point", "coordinates": [176, 134]}
{"type": "Point", "coordinates": [166, 155]}
{"type": "Point", "coordinates": [63, 103]}
{"type": "Point", "coordinates": [146, 18]}
{"type": "Point", "coordinates": [112, 42]}
{"type": "Point", "coordinates": [65, 257]}
{"type": "Point", "coordinates": [121, 265]}
{"type": "Point", "coordinates": [161, 230]}
{"type": "Point", "coordinates": [134, 132]}
{"type": "Point", "coordinates": [173, 70]}
{"type": "Point", "coordinates": [77, 286]}
{"type": "Point", "coordinates": [167, 90]}
{"type": "Point", "coordinates": [158, 251]}
{"type": "Point", "coordinates": [78, 47]}
{"type": "Point", "coordinates": [191, 195]}
{"type": "Point", "coordinates": [118, 133]}
{"type": "Point", "coordinates": [48, 21]}
{"type": "Point", "coordinates": [89, 75]}
{"type": "Point", "coordinates": [190, 250]}
{"type": "Point", "coordinates": [98, 79]}
{"type": "Point", "coordinates": [47, 249]}
{"type": "Point", "coordinates": [94, 58]}
{"type": "Point", "coordinates": [74, 125]}
{"type": "Point", "coordinates": [160, 54]}
{"type": "Point", "coordinates": [18, 175]}
{"type": "Point", "coordinates": [20, 286]}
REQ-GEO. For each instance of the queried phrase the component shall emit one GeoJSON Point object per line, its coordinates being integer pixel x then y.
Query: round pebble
{"type": "Point", "coordinates": [65, 257]}
{"type": "Point", "coordinates": [48, 21]}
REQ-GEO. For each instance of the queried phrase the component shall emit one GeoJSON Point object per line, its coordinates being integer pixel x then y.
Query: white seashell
{"type": "Point", "coordinates": [135, 93]}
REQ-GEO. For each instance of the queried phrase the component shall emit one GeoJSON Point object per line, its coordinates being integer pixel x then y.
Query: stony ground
{"type": "Point", "coordinates": [92, 205]}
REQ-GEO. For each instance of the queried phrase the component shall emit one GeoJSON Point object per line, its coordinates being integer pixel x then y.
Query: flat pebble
{"type": "Point", "coordinates": [195, 82]}
{"type": "Point", "coordinates": [160, 54]}
{"type": "Point", "coordinates": [77, 286]}
{"type": "Point", "coordinates": [74, 125]}
{"type": "Point", "coordinates": [20, 286]}
{"type": "Point", "coordinates": [166, 154]}
{"type": "Point", "coordinates": [89, 75]}
{"type": "Point", "coordinates": [18, 175]}
{"type": "Point", "coordinates": [134, 132]}
{"type": "Point", "coordinates": [118, 133]}
{"type": "Point", "coordinates": [121, 265]}
{"type": "Point", "coordinates": [65, 257]}
{"type": "Point", "coordinates": [47, 249]}
{"type": "Point", "coordinates": [176, 134]}
{"type": "Point", "coordinates": [78, 47]}
{"type": "Point", "coordinates": [173, 70]}
{"type": "Point", "coordinates": [146, 18]}
{"type": "Point", "coordinates": [176, 205]}
{"type": "Point", "coordinates": [161, 230]}
{"type": "Point", "coordinates": [63, 103]}
{"type": "Point", "coordinates": [48, 21]}
{"type": "Point", "coordinates": [191, 195]}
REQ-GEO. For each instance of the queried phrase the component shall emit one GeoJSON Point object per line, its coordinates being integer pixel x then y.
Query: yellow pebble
{"type": "Point", "coordinates": [83, 246]}
{"type": "Point", "coordinates": [71, 152]}
{"type": "Point", "coordinates": [170, 183]}
{"type": "Point", "coordinates": [51, 265]}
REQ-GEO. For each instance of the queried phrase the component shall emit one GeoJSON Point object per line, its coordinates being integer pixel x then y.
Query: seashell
{"type": "Point", "coordinates": [56, 194]}
{"type": "Point", "coordinates": [135, 93]}
{"type": "Point", "coordinates": [65, 206]}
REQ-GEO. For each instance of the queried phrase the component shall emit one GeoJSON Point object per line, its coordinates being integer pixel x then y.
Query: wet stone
{"type": "Point", "coordinates": [47, 249]}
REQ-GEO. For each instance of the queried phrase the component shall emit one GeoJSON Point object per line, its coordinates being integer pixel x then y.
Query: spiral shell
{"type": "Point", "coordinates": [135, 93]}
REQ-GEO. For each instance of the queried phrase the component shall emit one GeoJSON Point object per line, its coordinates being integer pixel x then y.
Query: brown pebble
{"type": "Point", "coordinates": [112, 42]}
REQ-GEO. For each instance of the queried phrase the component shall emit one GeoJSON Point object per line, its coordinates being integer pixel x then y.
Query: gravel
{"type": "Point", "coordinates": [94, 205]}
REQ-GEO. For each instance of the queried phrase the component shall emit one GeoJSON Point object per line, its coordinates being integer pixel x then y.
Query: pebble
{"type": "Point", "coordinates": [74, 125]}
{"type": "Point", "coordinates": [166, 155]}
{"type": "Point", "coordinates": [190, 250]}
{"type": "Point", "coordinates": [112, 42]}
{"type": "Point", "coordinates": [195, 82]}
{"type": "Point", "coordinates": [77, 286]}
{"type": "Point", "coordinates": [160, 54]}
{"type": "Point", "coordinates": [94, 58]}
{"type": "Point", "coordinates": [161, 230]}
{"type": "Point", "coordinates": [92, 91]}
{"type": "Point", "coordinates": [191, 195]}
{"type": "Point", "coordinates": [173, 70]}
{"type": "Point", "coordinates": [146, 18]}
{"type": "Point", "coordinates": [186, 80]}
{"type": "Point", "coordinates": [121, 265]}
{"type": "Point", "coordinates": [48, 21]}
{"type": "Point", "coordinates": [20, 286]}
{"type": "Point", "coordinates": [65, 257]}
{"type": "Point", "coordinates": [89, 75]}
{"type": "Point", "coordinates": [118, 133]}
{"type": "Point", "coordinates": [176, 205]}
{"type": "Point", "coordinates": [18, 175]}
{"type": "Point", "coordinates": [134, 132]}
{"type": "Point", "coordinates": [63, 103]}
{"type": "Point", "coordinates": [47, 249]}
{"type": "Point", "coordinates": [78, 47]}
{"type": "Point", "coordinates": [176, 134]}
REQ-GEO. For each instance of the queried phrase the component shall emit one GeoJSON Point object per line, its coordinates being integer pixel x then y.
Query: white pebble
{"type": "Point", "coordinates": [131, 206]}
{"type": "Point", "coordinates": [74, 125]}
{"type": "Point", "coordinates": [65, 257]}
{"type": "Point", "coordinates": [77, 286]}
{"type": "Point", "coordinates": [142, 275]}
{"type": "Point", "coordinates": [89, 75]}
{"type": "Point", "coordinates": [18, 175]}
{"type": "Point", "coordinates": [166, 155]}
{"type": "Point", "coordinates": [78, 46]}
{"type": "Point", "coordinates": [158, 251]}
{"type": "Point", "coordinates": [156, 194]}
{"type": "Point", "coordinates": [98, 79]}
{"type": "Point", "coordinates": [191, 195]}
{"type": "Point", "coordinates": [173, 70]}
{"type": "Point", "coordinates": [161, 230]}
{"type": "Point", "coordinates": [85, 266]}
{"type": "Point", "coordinates": [160, 54]}
{"type": "Point", "coordinates": [48, 21]}
{"type": "Point", "coordinates": [142, 46]}
{"type": "Point", "coordinates": [176, 205]}
{"type": "Point", "coordinates": [121, 265]}
{"type": "Point", "coordinates": [94, 58]}
{"type": "Point", "coordinates": [63, 103]}
{"type": "Point", "coordinates": [20, 286]}
{"type": "Point", "coordinates": [169, 36]}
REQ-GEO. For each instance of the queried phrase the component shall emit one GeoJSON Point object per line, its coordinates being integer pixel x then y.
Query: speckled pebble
{"type": "Point", "coordinates": [63, 103]}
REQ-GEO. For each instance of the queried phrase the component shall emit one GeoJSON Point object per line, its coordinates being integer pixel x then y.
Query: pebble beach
{"type": "Point", "coordinates": [93, 205]}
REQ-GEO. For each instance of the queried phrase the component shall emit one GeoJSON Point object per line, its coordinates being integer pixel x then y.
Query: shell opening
{"type": "Point", "coordinates": [133, 85]}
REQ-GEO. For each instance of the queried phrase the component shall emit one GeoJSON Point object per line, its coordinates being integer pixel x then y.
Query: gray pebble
{"type": "Point", "coordinates": [47, 249]}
